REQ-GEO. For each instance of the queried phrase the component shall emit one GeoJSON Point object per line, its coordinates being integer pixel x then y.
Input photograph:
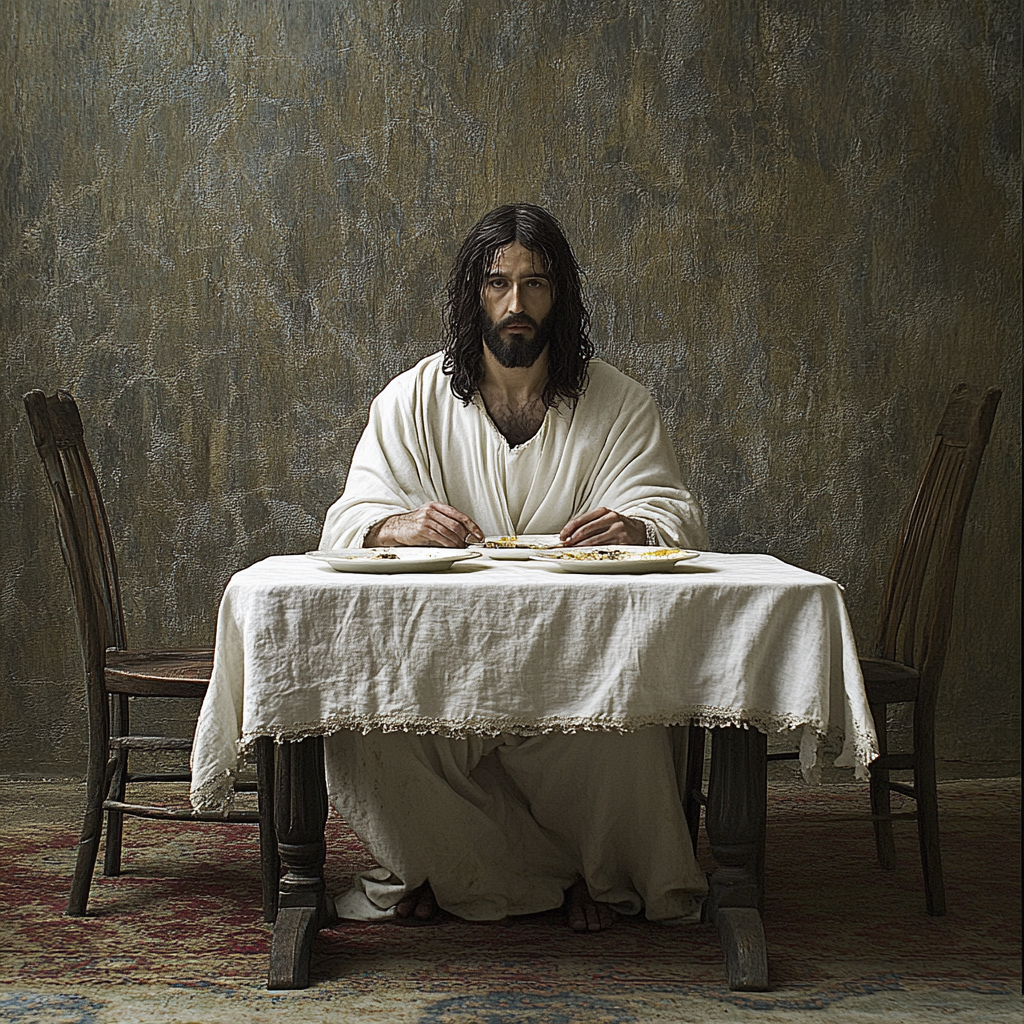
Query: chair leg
{"type": "Point", "coordinates": [115, 819]}
{"type": "Point", "coordinates": [97, 783]}
{"type": "Point", "coordinates": [881, 807]}
{"type": "Point", "coordinates": [270, 861]}
{"type": "Point", "coordinates": [928, 816]}
{"type": "Point", "coordinates": [694, 780]}
{"type": "Point", "coordinates": [88, 847]}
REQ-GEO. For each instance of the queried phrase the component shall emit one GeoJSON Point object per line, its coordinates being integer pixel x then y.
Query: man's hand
{"type": "Point", "coordinates": [432, 525]}
{"type": "Point", "coordinates": [603, 526]}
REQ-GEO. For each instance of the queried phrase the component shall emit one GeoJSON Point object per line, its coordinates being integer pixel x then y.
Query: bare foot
{"type": "Point", "coordinates": [417, 908]}
{"type": "Point", "coordinates": [585, 914]}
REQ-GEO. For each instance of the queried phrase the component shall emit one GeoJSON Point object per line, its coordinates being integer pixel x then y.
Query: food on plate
{"type": "Point", "coordinates": [371, 554]}
{"type": "Point", "coordinates": [615, 555]}
{"type": "Point", "coordinates": [512, 542]}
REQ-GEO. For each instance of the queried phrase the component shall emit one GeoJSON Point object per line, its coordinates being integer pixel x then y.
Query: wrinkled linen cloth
{"type": "Point", "coordinates": [504, 825]}
{"type": "Point", "coordinates": [447, 698]}
{"type": "Point", "coordinates": [525, 648]}
{"type": "Point", "coordinates": [423, 444]}
{"type": "Point", "coordinates": [428, 687]}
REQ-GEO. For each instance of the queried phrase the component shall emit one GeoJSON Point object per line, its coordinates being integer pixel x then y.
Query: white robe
{"type": "Point", "coordinates": [422, 444]}
{"type": "Point", "coordinates": [503, 825]}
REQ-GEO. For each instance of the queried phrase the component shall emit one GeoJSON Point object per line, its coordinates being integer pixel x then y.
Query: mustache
{"type": "Point", "coordinates": [516, 319]}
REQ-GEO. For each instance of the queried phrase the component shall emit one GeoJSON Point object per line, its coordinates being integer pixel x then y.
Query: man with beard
{"type": "Point", "coordinates": [515, 429]}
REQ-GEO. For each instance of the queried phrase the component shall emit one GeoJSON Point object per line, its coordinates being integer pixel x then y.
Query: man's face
{"type": "Point", "coordinates": [515, 298]}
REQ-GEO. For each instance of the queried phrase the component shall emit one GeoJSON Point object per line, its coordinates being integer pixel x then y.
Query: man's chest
{"type": "Point", "coordinates": [517, 424]}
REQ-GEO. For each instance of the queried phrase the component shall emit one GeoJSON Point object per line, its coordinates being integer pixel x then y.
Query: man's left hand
{"type": "Point", "coordinates": [603, 526]}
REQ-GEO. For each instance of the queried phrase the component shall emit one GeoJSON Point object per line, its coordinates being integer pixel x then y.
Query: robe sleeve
{"type": "Point", "coordinates": [390, 472]}
{"type": "Point", "coordinates": [636, 472]}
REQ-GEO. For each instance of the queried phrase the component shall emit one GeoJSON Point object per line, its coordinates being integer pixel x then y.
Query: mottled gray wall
{"type": "Point", "coordinates": [226, 225]}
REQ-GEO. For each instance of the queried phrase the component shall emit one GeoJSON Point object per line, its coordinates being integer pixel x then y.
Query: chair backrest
{"type": "Point", "coordinates": [917, 609]}
{"type": "Point", "coordinates": [82, 524]}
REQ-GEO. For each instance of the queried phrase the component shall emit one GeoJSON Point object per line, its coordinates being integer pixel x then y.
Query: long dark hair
{"type": "Point", "coordinates": [570, 349]}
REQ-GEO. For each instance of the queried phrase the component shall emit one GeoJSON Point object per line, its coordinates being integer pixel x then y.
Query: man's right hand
{"type": "Point", "coordinates": [432, 525]}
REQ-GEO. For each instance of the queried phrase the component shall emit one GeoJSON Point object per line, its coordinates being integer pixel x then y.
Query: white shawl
{"type": "Point", "coordinates": [423, 444]}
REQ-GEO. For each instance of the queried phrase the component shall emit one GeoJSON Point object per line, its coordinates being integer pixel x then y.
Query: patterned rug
{"type": "Point", "coordinates": [179, 935]}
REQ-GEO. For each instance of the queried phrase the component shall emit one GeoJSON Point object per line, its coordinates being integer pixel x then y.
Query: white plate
{"type": "Point", "coordinates": [628, 558]}
{"type": "Point", "coordinates": [379, 560]}
{"type": "Point", "coordinates": [526, 544]}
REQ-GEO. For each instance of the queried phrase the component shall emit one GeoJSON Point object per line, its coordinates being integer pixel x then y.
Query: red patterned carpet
{"type": "Point", "coordinates": [186, 915]}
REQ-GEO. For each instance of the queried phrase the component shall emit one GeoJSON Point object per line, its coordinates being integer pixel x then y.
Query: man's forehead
{"type": "Point", "coordinates": [516, 256]}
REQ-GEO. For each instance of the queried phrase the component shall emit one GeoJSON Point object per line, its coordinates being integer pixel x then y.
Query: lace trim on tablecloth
{"type": "Point", "coordinates": [216, 793]}
{"type": "Point", "coordinates": [709, 717]}
{"type": "Point", "coordinates": [861, 752]}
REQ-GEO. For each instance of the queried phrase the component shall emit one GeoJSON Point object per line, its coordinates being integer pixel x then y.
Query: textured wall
{"type": "Point", "coordinates": [226, 225]}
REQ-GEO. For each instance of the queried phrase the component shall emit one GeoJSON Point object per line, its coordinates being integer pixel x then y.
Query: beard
{"type": "Point", "coordinates": [515, 353]}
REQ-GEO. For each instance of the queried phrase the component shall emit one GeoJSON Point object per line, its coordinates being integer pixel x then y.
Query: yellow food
{"type": "Point", "coordinates": [511, 542]}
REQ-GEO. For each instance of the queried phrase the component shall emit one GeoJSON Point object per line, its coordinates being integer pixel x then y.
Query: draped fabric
{"type": "Point", "coordinates": [423, 444]}
{"type": "Point", "coordinates": [449, 700]}
{"type": "Point", "coordinates": [525, 648]}
{"type": "Point", "coordinates": [504, 825]}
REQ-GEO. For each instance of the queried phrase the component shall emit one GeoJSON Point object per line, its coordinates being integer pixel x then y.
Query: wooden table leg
{"type": "Point", "coordinates": [300, 804]}
{"type": "Point", "coordinates": [735, 823]}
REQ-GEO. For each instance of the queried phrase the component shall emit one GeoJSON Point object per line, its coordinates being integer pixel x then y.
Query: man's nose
{"type": "Point", "coordinates": [515, 300]}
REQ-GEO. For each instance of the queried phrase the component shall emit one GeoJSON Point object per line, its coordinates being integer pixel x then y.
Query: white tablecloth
{"type": "Point", "coordinates": [527, 648]}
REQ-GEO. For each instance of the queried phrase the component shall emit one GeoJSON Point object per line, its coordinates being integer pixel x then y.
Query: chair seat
{"type": "Point", "coordinates": [159, 673]}
{"type": "Point", "coordinates": [889, 682]}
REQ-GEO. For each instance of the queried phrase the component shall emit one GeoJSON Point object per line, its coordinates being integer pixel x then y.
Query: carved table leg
{"type": "Point", "coordinates": [300, 800]}
{"type": "Point", "coordinates": [735, 823]}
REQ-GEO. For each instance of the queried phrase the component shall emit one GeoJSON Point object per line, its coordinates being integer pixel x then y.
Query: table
{"type": "Point", "coordinates": [745, 645]}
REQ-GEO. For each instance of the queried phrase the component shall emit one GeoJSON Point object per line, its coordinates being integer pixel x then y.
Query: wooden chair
{"type": "Point", "coordinates": [114, 675]}
{"type": "Point", "coordinates": [913, 632]}
{"type": "Point", "coordinates": [914, 626]}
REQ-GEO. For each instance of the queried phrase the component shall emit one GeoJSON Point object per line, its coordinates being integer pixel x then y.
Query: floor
{"type": "Point", "coordinates": [48, 800]}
